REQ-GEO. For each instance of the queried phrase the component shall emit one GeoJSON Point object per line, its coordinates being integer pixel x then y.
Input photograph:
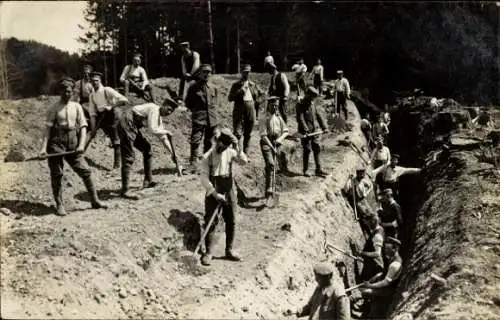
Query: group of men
{"type": "Point", "coordinates": [66, 135]}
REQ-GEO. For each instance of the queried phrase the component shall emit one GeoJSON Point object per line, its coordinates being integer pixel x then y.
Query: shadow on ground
{"type": "Point", "coordinates": [188, 224]}
{"type": "Point", "coordinates": [27, 207]}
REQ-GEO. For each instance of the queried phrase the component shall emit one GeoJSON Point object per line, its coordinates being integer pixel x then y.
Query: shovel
{"type": "Point", "coordinates": [192, 260]}
{"type": "Point", "coordinates": [329, 247]}
{"type": "Point", "coordinates": [20, 158]}
{"type": "Point", "coordinates": [275, 197]}
{"type": "Point", "coordinates": [365, 282]}
{"type": "Point", "coordinates": [354, 201]}
{"type": "Point", "coordinates": [174, 157]}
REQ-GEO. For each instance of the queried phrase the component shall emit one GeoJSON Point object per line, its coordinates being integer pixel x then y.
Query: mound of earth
{"type": "Point", "coordinates": [127, 261]}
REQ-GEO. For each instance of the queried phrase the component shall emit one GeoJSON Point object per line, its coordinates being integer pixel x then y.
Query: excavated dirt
{"type": "Point", "coordinates": [127, 261]}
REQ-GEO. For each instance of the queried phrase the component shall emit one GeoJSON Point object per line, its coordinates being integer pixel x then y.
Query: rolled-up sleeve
{"type": "Point", "coordinates": [205, 173]}
{"type": "Point", "coordinates": [80, 117]}
{"type": "Point", "coordinates": [144, 78]}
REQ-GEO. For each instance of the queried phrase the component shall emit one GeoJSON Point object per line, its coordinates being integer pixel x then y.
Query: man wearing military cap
{"type": "Point", "coordinates": [217, 178]}
{"type": "Point", "coordinates": [104, 108]}
{"type": "Point", "coordinates": [190, 63]}
{"type": "Point", "coordinates": [273, 131]}
{"type": "Point", "coordinates": [67, 131]}
{"type": "Point", "coordinates": [357, 189]}
{"type": "Point", "coordinates": [202, 100]}
{"type": "Point", "coordinates": [343, 92]}
{"type": "Point", "coordinates": [245, 94]}
{"type": "Point", "coordinates": [311, 120]}
{"type": "Point", "coordinates": [329, 300]}
{"type": "Point", "coordinates": [134, 78]}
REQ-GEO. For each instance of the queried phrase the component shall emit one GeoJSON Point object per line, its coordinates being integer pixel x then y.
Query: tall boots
{"type": "Point", "coordinates": [319, 172]}
{"type": "Point", "coordinates": [89, 184]}
{"type": "Point", "coordinates": [305, 162]}
{"type": "Point", "coordinates": [125, 184]}
{"type": "Point", "coordinates": [56, 182]}
{"type": "Point", "coordinates": [148, 172]}
{"type": "Point", "coordinates": [117, 156]}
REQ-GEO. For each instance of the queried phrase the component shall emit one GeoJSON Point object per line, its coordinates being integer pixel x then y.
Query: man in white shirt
{"type": "Point", "coordinates": [245, 95]}
{"type": "Point", "coordinates": [300, 70]}
{"type": "Point", "coordinates": [317, 75]}
{"type": "Point", "coordinates": [190, 63]}
{"type": "Point", "coordinates": [343, 92]}
{"type": "Point", "coordinates": [217, 179]}
{"type": "Point", "coordinates": [357, 190]}
{"type": "Point", "coordinates": [381, 155]}
{"type": "Point", "coordinates": [135, 79]}
{"type": "Point", "coordinates": [268, 59]}
{"type": "Point", "coordinates": [388, 175]}
{"type": "Point", "coordinates": [132, 120]}
{"type": "Point", "coordinates": [104, 105]}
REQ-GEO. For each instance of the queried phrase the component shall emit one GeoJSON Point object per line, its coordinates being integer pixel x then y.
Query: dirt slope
{"type": "Point", "coordinates": [126, 261]}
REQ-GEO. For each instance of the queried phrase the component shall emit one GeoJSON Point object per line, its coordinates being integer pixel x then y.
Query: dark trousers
{"type": "Point", "coordinates": [130, 138]}
{"type": "Point", "coordinates": [109, 124]}
{"type": "Point", "coordinates": [301, 86]}
{"type": "Point", "coordinates": [341, 103]}
{"type": "Point", "coordinates": [129, 87]}
{"type": "Point", "coordinates": [184, 86]}
{"type": "Point", "coordinates": [62, 140]}
{"type": "Point", "coordinates": [308, 144]}
{"type": "Point", "coordinates": [199, 132]}
{"type": "Point", "coordinates": [244, 121]}
{"type": "Point", "coordinates": [268, 156]}
{"type": "Point", "coordinates": [223, 185]}
{"type": "Point", "coordinates": [283, 108]}
{"type": "Point", "coordinates": [317, 82]}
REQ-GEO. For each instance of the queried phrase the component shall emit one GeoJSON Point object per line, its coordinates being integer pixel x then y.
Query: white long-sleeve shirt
{"type": "Point", "coordinates": [390, 174]}
{"type": "Point", "coordinates": [104, 98]}
{"type": "Point", "coordinates": [130, 71]}
{"type": "Point", "coordinates": [342, 85]}
{"type": "Point", "coordinates": [220, 165]}
{"type": "Point", "coordinates": [317, 70]}
{"type": "Point", "coordinates": [151, 113]}
{"type": "Point", "coordinates": [382, 154]}
{"type": "Point", "coordinates": [299, 69]}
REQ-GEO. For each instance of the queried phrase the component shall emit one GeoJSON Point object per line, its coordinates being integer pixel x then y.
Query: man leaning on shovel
{"type": "Point", "coordinates": [217, 179]}
{"type": "Point", "coordinates": [311, 121]}
{"type": "Point", "coordinates": [273, 130]}
{"type": "Point", "coordinates": [67, 132]}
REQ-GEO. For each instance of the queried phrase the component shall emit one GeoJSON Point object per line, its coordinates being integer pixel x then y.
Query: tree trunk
{"type": "Point", "coordinates": [228, 42]}
{"type": "Point", "coordinates": [238, 49]}
{"type": "Point", "coordinates": [4, 83]}
{"type": "Point", "coordinates": [211, 36]}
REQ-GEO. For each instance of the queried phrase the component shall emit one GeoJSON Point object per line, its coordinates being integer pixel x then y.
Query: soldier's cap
{"type": "Point", "coordinates": [206, 67]}
{"type": "Point", "coordinates": [273, 98]}
{"type": "Point", "coordinates": [67, 81]}
{"type": "Point", "coordinates": [96, 74]}
{"type": "Point", "coordinates": [312, 90]}
{"type": "Point", "coordinates": [246, 68]}
{"type": "Point", "coordinates": [323, 269]}
{"type": "Point", "coordinates": [387, 192]}
{"type": "Point", "coordinates": [226, 136]}
{"type": "Point", "coordinates": [340, 72]}
{"type": "Point", "coordinates": [393, 241]}
{"type": "Point", "coordinates": [184, 44]}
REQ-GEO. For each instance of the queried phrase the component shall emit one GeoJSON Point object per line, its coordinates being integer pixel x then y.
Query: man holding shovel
{"type": "Point", "coordinates": [67, 131]}
{"type": "Point", "coordinates": [310, 120]}
{"type": "Point", "coordinates": [139, 116]}
{"type": "Point", "coordinates": [104, 112]}
{"type": "Point", "coordinates": [218, 181]}
{"type": "Point", "coordinates": [273, 131]}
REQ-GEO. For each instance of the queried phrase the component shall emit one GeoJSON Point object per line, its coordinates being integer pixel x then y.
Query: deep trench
{"type": "Point", "coordinates": [412, 141]}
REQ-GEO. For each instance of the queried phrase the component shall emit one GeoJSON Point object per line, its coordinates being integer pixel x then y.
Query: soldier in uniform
{"type": "Point", "coordinates": [67, 131]}
{"type": "Point", "coordinates": [201, 100]}
{"type": "Point", "coordinates": [273, 131]}
{"type": "Point", "coordinates": [104, 108]}
{"type": "Point", "coordinates": [310, 120]}
{"type": "Point", "coordinates": [218, 181]}
{"type": "Point", "coordinates": [329, 300]}
{"type": "Point", "coordinates": [245, 95]}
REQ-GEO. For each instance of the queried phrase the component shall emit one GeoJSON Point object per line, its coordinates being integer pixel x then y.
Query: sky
{"type": "Point", "coordinates": [50, 22]}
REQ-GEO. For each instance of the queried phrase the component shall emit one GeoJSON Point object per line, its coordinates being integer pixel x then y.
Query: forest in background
{"type": "Point", "coordinates": [446, 48]}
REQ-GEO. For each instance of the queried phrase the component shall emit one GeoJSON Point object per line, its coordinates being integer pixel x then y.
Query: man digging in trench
{"type": "Point", "coordinates": [67, 131]}
{"type": "Point", "coordinates": [217, 179]}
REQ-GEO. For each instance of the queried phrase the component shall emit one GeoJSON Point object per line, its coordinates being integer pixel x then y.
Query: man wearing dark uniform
{"type": "Point", "coordinates": [67, 131]}
{"type": "Point", "coordinates": [217, 179]}
{"type": "Point", "coordinates": [329, 300]}
{"type": "Point", "coordinates": [273, 131]}
{"type": "Point", "coordinates": [311, 120]}
{"type": "Point", "coordinates": [201, 100]}
{"type": "Point", "coordinates": [83, 90]}
{"type": "Point", "coordinates": [279, 87]}
{"type": "Point", "coordinates": [245, 95]}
